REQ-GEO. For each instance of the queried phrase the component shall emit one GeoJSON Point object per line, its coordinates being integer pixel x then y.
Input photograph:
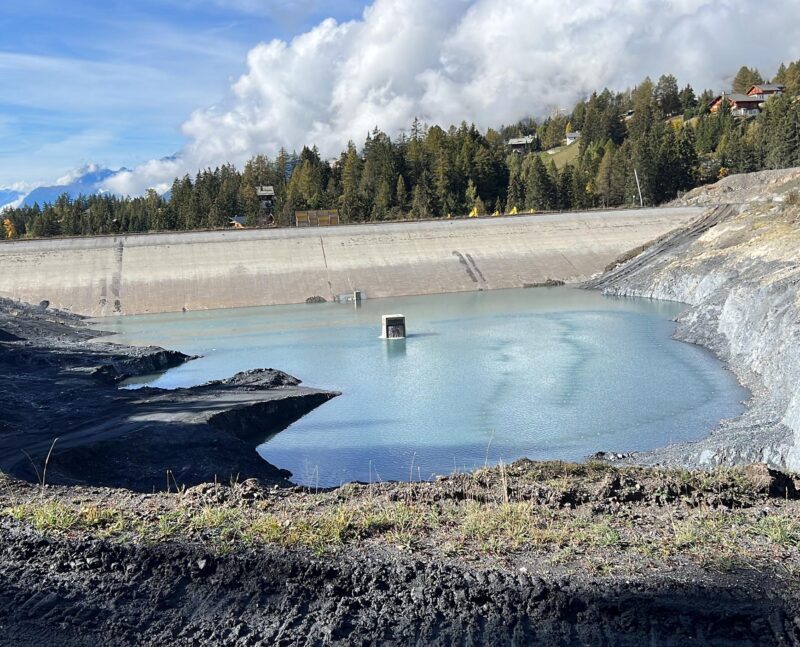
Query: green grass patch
{"type": "Point", "coordinates": [562, 155]}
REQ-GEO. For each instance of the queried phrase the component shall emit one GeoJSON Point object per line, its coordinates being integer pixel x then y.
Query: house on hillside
{"type": "Point", "coordinates": [572, 138]}
{"type": "Point", "coordinates": [742, 105]}
{"type": "Point", "coordinates": [522, 144]}
{"type": "Point", "coordinates": [266, 197]}
{"type": "Point", "coordinates": [237, 222]}
{"type": "Point", "coordinates": [764, 91]}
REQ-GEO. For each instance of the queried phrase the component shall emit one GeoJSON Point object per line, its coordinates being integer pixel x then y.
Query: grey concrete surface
{"type": "Point", "coordinates": [136, 274]}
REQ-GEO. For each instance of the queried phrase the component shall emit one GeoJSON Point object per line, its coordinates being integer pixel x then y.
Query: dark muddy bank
{"type": "Point", "coordinates": [58, 383]}
{"type": "Point", "coordinates": [606, 556]}
{"type": "Point", "coordinates": [62, 594]}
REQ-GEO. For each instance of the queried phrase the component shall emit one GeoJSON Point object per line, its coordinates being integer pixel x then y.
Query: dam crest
{"type": "Point", "coordinates": [170, 272]}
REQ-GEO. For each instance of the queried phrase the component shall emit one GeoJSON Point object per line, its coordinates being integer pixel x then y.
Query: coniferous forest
{"type": "Point", "coordinates": [665, 133]}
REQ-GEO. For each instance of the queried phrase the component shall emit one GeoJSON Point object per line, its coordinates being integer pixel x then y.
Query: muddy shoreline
{"type": "Point", "coordinates": [738, 271]}
{"type": "Point", "coordinates": [60, 387]}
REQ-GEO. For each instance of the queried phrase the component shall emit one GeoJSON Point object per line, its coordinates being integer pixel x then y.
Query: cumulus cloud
{"type": "Point", "coordinates": [483, 61]}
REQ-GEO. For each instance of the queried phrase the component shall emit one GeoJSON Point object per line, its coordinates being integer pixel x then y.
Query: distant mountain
{"type": "Point", "coordinates": [85, 181]}
{"type": "Point", "coordinates": [9, 196]}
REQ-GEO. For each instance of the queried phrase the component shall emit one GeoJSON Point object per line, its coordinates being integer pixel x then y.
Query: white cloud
{"type": "Point", "coordinates": [483, 61]}
{"type": "Point", "coordinates": [76, 174]}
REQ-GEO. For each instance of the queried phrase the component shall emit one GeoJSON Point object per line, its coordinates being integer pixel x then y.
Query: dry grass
{"type": "Point", "coordinates": [604, 518]}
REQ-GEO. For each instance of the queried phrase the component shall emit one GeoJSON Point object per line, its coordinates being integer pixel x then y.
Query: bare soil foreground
{"type": "Point", "coordinates": [551, 554]}
{"type": "Point", "coordinates": [154, 522]}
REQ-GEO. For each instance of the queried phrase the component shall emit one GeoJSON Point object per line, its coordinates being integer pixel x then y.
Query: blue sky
{"type": "Point", "coordinates": [166, 87]}
{"type": "Point", "coordinates": [111, 82]}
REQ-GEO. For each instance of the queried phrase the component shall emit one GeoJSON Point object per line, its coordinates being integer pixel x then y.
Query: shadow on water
{"type": "Point", "coordinates": [141, 381]}
{"type": "Point", "coordinates": [396, 462]}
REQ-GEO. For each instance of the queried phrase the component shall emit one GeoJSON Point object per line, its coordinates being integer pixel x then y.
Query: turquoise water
{"type": "Point", "coordinates": [549, 373]}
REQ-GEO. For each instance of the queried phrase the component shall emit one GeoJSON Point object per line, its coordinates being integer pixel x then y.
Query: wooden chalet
{"type": "Point", "coordinates": [764, 91]}
{"type": "Point", "coordinates": [266, 197]}
{"type": "Point", "coordinates": [742, 105]}
{"type": "Point", "coordinates": [522, 144]}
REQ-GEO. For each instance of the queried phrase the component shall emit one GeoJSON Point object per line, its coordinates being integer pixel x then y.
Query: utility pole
{"type": "Point", "coordinates": [639, 187]}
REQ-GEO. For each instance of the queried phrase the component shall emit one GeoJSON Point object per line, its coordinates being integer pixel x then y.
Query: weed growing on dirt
{"type": "Point", "coordinates": [571, 516]}
{"type": "Point", "coordinates": [780, 530]}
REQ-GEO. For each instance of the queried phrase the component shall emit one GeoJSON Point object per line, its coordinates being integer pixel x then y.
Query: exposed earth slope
{"type": "Point", "coordinates": [739, 269]}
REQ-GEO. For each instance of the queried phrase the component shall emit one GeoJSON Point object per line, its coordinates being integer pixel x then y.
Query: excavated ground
{"type": "Point", "coordinates": [738, 268]}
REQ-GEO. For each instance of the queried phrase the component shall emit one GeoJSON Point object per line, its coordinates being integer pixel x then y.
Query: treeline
{"type": "Point", "coordinates": [660, 133]}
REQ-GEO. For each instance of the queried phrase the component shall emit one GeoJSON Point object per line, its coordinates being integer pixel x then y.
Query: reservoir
{"type": "Point", "coordinates": [483, 377]}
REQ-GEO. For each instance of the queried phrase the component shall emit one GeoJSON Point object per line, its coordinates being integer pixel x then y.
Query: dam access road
{"type": "Point", "coordinates": [170, 272]}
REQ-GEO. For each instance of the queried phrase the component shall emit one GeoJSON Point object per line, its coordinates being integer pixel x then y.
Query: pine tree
{"type": "Point", "coordinates": [401, 195]}
{"type": "Point", "coordinates": [667, 96]}
{"type": "Point", "coordinates": [566, 188]}
{"type": "Point", "coordinates": [351, 208]}
{"type": "Point", "coordinates": [422, 199]}
{"type": "Point", "coordinates": [783, 145]}
{"type": "Point", "coordinates": [382, 202]}
{"type": "Point", "coordinates": [745, 79]}
{"type": "Point", "coordinates": [539, 189]}
{"type": "Point", "coordinates": [603, 182]}
{"type": "Point", "coordinates": [688, 100]}
{"type": "Point", "coordinates": [471, 195]}
{"type": "Point", "coordinates": [516, 191]}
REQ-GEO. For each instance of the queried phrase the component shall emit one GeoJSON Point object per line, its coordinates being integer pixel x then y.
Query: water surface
{"type": "Point", "coordinates": [550, 373]}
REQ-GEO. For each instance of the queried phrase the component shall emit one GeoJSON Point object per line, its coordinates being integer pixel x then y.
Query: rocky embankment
{"type": "Point", "coordinates": [739, 269]}
{"type": "Point", "coordinates": [61, 398]}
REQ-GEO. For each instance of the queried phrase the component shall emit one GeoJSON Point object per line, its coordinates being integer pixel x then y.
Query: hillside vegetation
{"type": "Point", "coordinates": [436, 172]}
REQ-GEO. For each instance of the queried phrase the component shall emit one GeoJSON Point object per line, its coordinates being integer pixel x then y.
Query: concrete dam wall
{"type": "Point", "coordinates": [148, 273]}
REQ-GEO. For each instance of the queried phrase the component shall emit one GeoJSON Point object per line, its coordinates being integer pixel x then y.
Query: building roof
{"type": "Point", "coordinates": [574, 135]}
{"type": "Point", "coordinates": [265, 191]}
{"type": "Point", "coordinates": [522, 141]}
{"type": "Point", "coordinates": [767, 87]}
{"type": "Point", "coordinates": [735, 97]}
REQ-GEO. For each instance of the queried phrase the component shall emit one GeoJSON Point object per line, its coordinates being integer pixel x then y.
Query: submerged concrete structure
{"type": "Point", "coordinates": [393, 326]}
{"type": "Point", "coordinates": [170, 272]}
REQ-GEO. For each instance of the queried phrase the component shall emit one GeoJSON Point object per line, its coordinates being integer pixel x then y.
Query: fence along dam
{"type": "Point", "coordinates": [169, 272]}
